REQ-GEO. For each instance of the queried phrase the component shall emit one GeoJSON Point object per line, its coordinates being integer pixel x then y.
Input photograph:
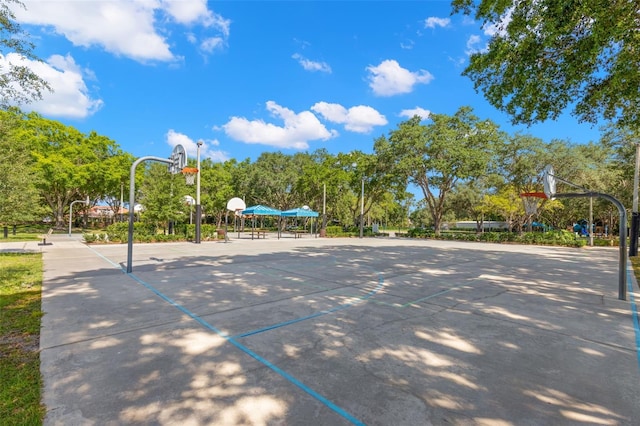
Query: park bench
{"type": "Point", "coordinates": [44, 237]}
{"type": "Point", "coordinates": [298, 233]}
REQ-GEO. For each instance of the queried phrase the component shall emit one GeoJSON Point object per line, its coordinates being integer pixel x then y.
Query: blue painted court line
{"type": "Point", "coordinates": [291, 379]}
{"type": "Point", "coordinates": [329, 404]}
{"type": "Point", "coordinates": [428, 297]}
{"type": "Point", "coordinates": [106, 259]}
{"type": "Point", "coordinates": [317, 314]}
{"type": "Point", "coordinates": [634, 310]}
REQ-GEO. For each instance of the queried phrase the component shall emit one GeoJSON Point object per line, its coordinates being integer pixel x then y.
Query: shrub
{"type": "Point", "coordinates": [562, 238]}
{"type": "Point", "coordinates": [417, 233]}
{"type": "Point", "coordinates": [333, 231]}
{"type": "Point", "coordinates": [208, 232]}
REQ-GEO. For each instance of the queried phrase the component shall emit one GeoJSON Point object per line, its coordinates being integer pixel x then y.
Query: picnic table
{"type": "Point", "coordinates": [298, 233]}
{"type": "Point", "coordinates": [259, 232]}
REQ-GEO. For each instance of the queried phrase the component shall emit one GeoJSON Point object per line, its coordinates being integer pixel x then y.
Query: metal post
{"type": "Point", "coordinates": [71, 215]}
{"type": "Point", "coordinates": [71, 211]}
{"type": "Point", "coordinates": [121, 199]}
{"type": "Point", "coordinates": [590, 221]}
{"type": "Point", "coordinates": [635, 218]}
{"type": "Point", "coordinates": [198, 206]}
{"type": "Point", "coordinates": [362, 210]}
{"type": "Point", "coordinates": [323, 226]}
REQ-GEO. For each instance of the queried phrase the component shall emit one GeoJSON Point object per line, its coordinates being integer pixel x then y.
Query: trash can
{"type": "Point", "coordinates": [221, 234]}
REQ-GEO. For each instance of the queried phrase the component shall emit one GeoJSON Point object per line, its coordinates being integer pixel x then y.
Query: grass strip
{"type": "Point", "coordinates": [20, 314]}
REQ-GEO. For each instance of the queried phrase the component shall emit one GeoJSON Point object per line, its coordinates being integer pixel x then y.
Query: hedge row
{"type": "Point", "coordinates": [556, 238]}
{"type": "Point", "coordinates": [146, 233]}
{"type": "Point", "coordinates": [352, 231]}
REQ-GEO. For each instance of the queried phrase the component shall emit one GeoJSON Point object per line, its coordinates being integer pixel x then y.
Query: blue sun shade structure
{"type": "Point", "coordinates": [299, 212]}
{"type": "Point", "coordinates": [261, 210]}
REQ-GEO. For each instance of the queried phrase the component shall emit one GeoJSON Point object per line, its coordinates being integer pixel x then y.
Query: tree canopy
{"type": "Point", "coordinates": [18, 83]}
{"type": "Point", "coordinates": [465, 166]}
{"type": "Point", "coordinates": [547, 55]}
{"type": "Point", "coordinates": [20, 199]}
{"type": "Point", "coordinates": [437, 156]}
{"type": "Point", "coordinates": [69, 165]}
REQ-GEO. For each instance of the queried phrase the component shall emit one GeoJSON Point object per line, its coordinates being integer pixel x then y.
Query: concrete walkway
{"type": "Point", "coordinates": [337, 331]}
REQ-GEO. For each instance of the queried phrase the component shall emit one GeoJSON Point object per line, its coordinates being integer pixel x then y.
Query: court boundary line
{"type": "Point", "coordinates": [329, 404]}
{"type": "Point", "coordinates": [317, 314]}
{"type": "Point", "coordinates": [282, 373]}
{"type": "Point", "coordinates": [634, 309]}
{"type": "Point", "coordinates": [290, 378]}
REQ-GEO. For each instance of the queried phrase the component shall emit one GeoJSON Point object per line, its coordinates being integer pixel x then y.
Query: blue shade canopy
{"type": "Point", "coordinates": [299, 212]}
{"type": "Point", "coordinates": [261, 210]}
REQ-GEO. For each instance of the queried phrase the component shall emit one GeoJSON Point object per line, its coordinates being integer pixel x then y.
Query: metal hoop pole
{"type": "Point", "coordinates": [71, 211]}
{"type": "Point", "coordinates": [132, 204]}
{"type": "Point", "coordinates": [622, 268]}
{"type": "Point", "coordinates": [198, 206]}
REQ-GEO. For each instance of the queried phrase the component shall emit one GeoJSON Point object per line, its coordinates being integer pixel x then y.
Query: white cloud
{"type": "Point", "coordinates": [499, 28]}
{"type": "Point", "coordinates": [359, 119]}
{"type": "Point", "coordinates": [409, 113]}
{"type": "Point", "coordinates": [175, 138]}
{"type": "Point", "coordinates": [70, 97]}
{"type": "Point", "coordinates": [311, 65]}
{"type": "Point", "coordinates": [210, 44]}
{"type": "Point", "coordinates": [127, 28]}
{"type": "Point", "coordinates": [433, 22]}
{"type": "Point", "coordinates": [474, 45]}
{"type": "Point", "coordinates": [408, 45]}
{"type": "Point", "coordinates": [296, 133]}
{"type": "Point", "coordinates": [389, 78]}
{"type": "Point", "coordinates": [196, 11]}
{"type": "Point", "coordinates": [457, 62]}
{"type": "Point", "coordinates": [218, 156]}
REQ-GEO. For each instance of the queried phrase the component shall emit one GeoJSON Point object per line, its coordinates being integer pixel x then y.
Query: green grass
{"type": "Point", "coordinates": [635, 262]}
{"type": "Point", "coordinates": [20, 236]}
{"type": "Point", "coordinates": [20, 307]}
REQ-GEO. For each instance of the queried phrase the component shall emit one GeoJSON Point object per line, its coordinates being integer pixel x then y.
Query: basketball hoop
{"type": "Point", "coordinates": [190, 174]}
{"type": "Point", "coordinates": [531, 200]}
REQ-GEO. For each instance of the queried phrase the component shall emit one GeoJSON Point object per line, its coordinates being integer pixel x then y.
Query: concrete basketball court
{"type": "Point", "coordinates": [317, 331]}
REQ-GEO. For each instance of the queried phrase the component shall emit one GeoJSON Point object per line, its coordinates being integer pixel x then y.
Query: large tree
{"type": "Point", "coordinates": [618, 139]}
{"type": "Point", "coordinates": [162, 197]}
{"type": "Point", "coordinates": [217, 189]}
{"type": "Point", "coordinates": [546, 55]}
{"type": "Point", "coordinates": [438, 155]}
{"type": "Point", "coordinates": [20, 202]}
{"type": "Point", "coordinates": [70, 165]}
{"type": "Point", "coordinates": [18, 83]}
{"type": "Point", "coordinates": [274, 176]}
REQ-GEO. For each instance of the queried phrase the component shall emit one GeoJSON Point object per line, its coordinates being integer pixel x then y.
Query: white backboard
{"type": "Point", "coordinates": [179, 158]}
{"type": "Point", "coordinates": [549, 181]}
{"type": "Point", "coordinates": [236, 204]}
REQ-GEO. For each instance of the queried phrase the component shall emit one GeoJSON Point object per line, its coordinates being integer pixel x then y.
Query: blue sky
{"type": "Point", "coordinates": [248, 77]}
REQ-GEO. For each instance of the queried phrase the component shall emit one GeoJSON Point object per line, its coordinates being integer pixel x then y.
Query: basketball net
{"type": "Point", "coordinates": [190, 174]}
{"type": "Point", "coordinates": [531, 201]}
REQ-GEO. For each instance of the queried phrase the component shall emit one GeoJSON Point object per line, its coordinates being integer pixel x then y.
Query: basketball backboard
{"type": "Point", "coordinates": [236, 204]}
{"type": "Point", "coordinates": [549, 181]}
{"type": "Point", "coordinates": [179, 158]}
